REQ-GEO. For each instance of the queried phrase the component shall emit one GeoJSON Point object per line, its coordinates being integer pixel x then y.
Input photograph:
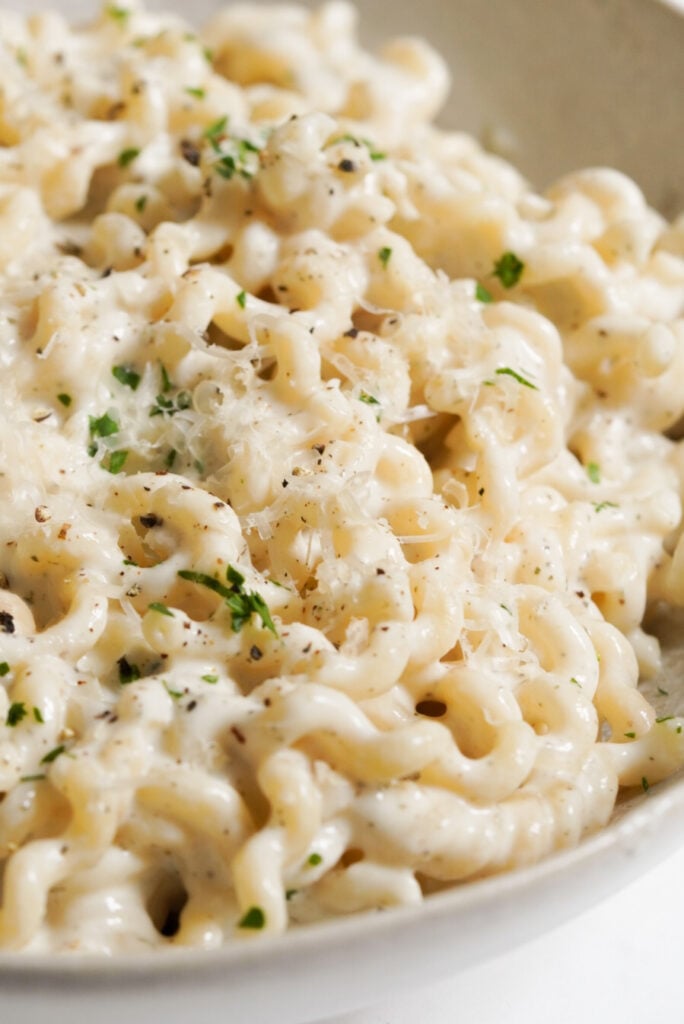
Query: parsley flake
{"type": "Point", "coordinates": [33, 778]}
{"type": "Point", "coordinates": [645, 784]}
{"type": "Point", "coordinates": [665, 718]}
{"type": "Point", "coordinates": [254, 918]}
{"type": "Point", "coordinates": [384, 255]}
{"type": "Point", "coordinates": [508, 372]}
{"type": "Point", "coordinates": [38, 715]}
{"type": "Point", "coordinates": [196, 92]}
{"type": "Point", "coordinates": [630, 735]}
{"type": "Point", "coordinates": [64, 399]}
{"type": "Point", "coordinates": [4, 668]}
{"type": "Point", "coordinates": [368, 399]}
{"type": "Point", "coordinates": [15, 714]}
{"type": "Point", "coordinates": [483, 294]}
{"type": "Point", "coordinates": [118, 14]}
{"type": "Point", "coordinates": [314, 859]}
{"type": "Point", "coordinates": [117, 461]}
{"type": "Point", "coordinates": [241, 299]}
{"type": "Point", "coordinates": [126, 376]}
{"type": "Point", "coordinates": [53, 754]}
{"type": "Point", "coordinates": [508, 269]}
{"type": "Point", "coordinates": [127, 156]}
{"type": "Point", "coordinates": [594, 472]}
{"type": "Point", "coordinates": [600, 505]}
{"type": "Point", "coordinates": [128, 671]}
{"type": "Point", "coordinates": [243, 604]}
{"type": "Point", "coordinates": [209, 678]}
{"type": "Point", "coordinates": [141, 203]}
{"type": "Point", "coordinates": [158, 606]}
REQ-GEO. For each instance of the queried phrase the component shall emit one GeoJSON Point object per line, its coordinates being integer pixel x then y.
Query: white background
{"type": "Point", "coordinates": [620, 963]}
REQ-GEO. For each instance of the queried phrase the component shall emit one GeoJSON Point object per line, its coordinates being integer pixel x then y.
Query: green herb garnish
{"type": "Point", "coordinates": [384, 255]}
{"type": "Point", "coordinates": [483, 294]}
{"type": "Point", "coordinates": [630, 735]}
{"type": "Point", "coordinates": [209, 678]}
{"type": "Point", "coordinates": [254, 918]}
{"type": "Point", "coordinates": [15, 714]}
{"type": "Point", "coordinates": [38, 715]}
{"type": "Point", "coordinates": [241, 299]}
{"type": "Point", "coordinates": [508, 372]}
{"type": "Point", "coordinates": [141, 203]}
{"type": "Point", "coordinates": [64, 399]}
{"type": "Point", "coordinates": [33, 778]}
{"type": "Point", "coordinates": [129, 378]}
{"type": "Point", "coordinates": [196, 91]}
{"type": "Point", "coordinates": [119, 14]}
{"type": "Point", "coordinates": [599, 506]}
{"type": "Point", "coordinates": [128, 671]}
{"type": "Point", "coordinates": [158, 606]}
{"type": "Point", "coordinates": [645, 785]}
{"type": "Point", "coordinates": [314, 859]}
{"type": "Point", "coordinates": [127, 156]}
{"type": "Point", "coordinates": [368, 399]}
{"type": "Point", "coordinates": [508, 269]}
{"type": "Point", "coordinates": [243, 604]}
{"type": "Point", "coordinates": [53, 755]}
{"type": "Point", "coordinates": [594, 472]}
{"type": "Point", "coordinates": [117, 461]}
{"type": "Point", "coordinates": [4, 668]}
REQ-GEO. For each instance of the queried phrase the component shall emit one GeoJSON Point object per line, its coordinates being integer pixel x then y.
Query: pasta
{"type": "Point", "coordinates": [338, 471]}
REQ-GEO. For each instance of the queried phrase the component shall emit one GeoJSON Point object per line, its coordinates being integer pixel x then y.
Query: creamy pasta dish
{"type": "Point", "coordinates": [338, 470]}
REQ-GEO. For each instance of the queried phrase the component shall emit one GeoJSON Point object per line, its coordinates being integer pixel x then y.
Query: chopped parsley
{"type": "Point", "coordinates": [385, 255]}
{"type": "Point", "coordinates": [314, 859]}
{"type": "Point", "coordinates": [506, 371]}
{"type": "Point", "coordinates": [158, 606]}
{"type": "Point", "coordinates": [196, 92]}
{"type": "Point", "coordinates": [241, 299]}
{"type": "Point", "coordinates": [600, 505]}
{"type": "Point", "coordinates": [127, 156]}
{"type": "Point", "coordinates": [373, 153]}
{"type": "Point", "coordinates": [126, 376]}
{"type": "Point", "coordinates": [117, 461]}
{"type": "Point", "coordinates": [53, 754]}
{"type": "Point", "coordinates": [368, 399]}
{"type": "Point", "coordinates": [232, 155]}
{"type": "Point", "coordinates": [4, 668]}
{"type": "Point", "coordinates": [170, 458]}
{"type": "Point", "coordinates": [118, 14]}
{"type": "Point", "coordinates": [254, 918]}
{"type": "Point", "coordinates": [483, 294]}
{"type": "Point", "coordinates": [508, 269]}
{"type": "Point", "coordinates": [210, 678]}
{"type": "Point", "coordinates": [594, 472]}
{"type": "Point", "coordinates": [33, 778]}
{"type": "Point", "coordinates": [630, 735]}
{"type": "Point", "coordinates": [663, 693]}
{"type": "Point", "coordinates": [141, 203]}
{"type": "Point", "coordinates": [243, 604]}
{"type": "Point", "coordinates": [64, 399]}
{"type": "Point", "coordinates": [38, 715]}
{"type": "Point", "coordinates": [169, 406]}
{"type": "Point", "coordinates": [101, 426]}
{"type": "Point", "coordinates": [665, 718]}
{"type": "Point", "coordinates": [128, 671]}
{"type": "Point", "coordinates": [174, 694]}
{"type": "Point", "coordinates": [645, 785]}
{"type": "Point", "coordinates": [16, 713]}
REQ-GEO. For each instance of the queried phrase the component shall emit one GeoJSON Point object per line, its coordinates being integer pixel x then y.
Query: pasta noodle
{"type": "Point", "coordinates": [338, 470]}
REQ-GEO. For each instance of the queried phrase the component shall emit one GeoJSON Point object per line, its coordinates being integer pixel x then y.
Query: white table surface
{"type": "Point", "coordinates": [620, 963]}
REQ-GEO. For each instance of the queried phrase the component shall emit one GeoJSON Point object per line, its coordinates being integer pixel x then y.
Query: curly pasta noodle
{"type": "Point", "coordinates": [337, 473]}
